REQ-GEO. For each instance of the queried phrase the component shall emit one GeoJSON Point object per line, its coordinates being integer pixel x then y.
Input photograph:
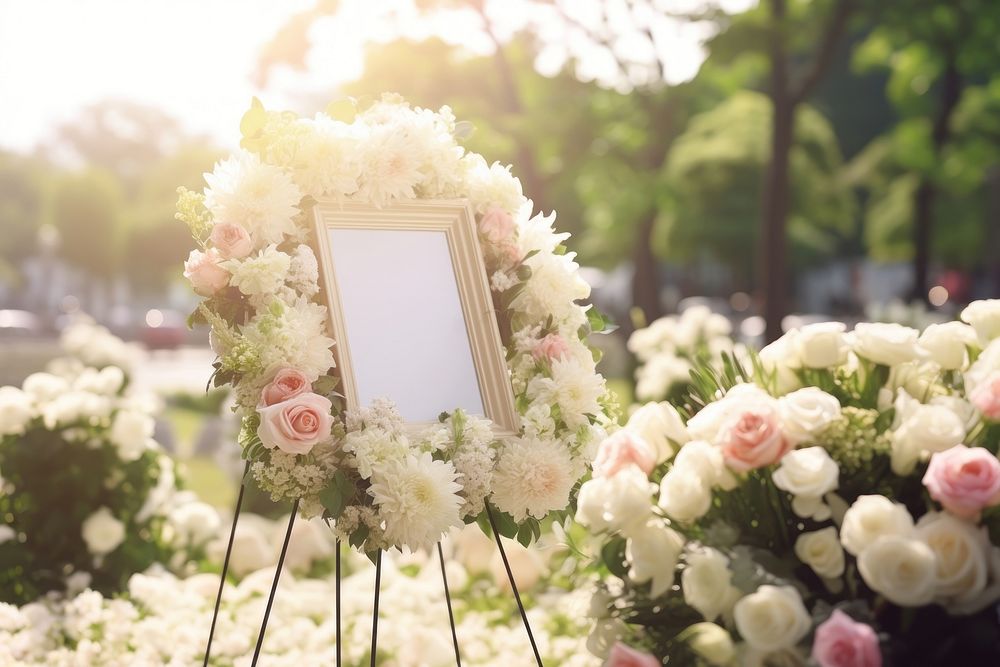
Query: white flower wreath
{"type": "Point", "coordinates": [380, 486]}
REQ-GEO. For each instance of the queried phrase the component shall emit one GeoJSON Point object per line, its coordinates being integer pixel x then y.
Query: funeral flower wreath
{"type": "Point", "coordinates": [255, 267]}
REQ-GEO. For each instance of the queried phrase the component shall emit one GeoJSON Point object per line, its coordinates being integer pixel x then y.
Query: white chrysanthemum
{"type": "Point", "coordinates": [303, 273]}
{"type": "Point", "coordinates": [75, 406]}
{"type": "Point", "coordinates": [321, 154]}
{"type": "Point", "coordinates": [574, 386]}
{"type": "Point", "coordinates": [260, 197]}
{"type": "Point", "coordinates": [490, 185]}
{"type": "Point", "coordinates": [391, 167]}
{"type": "Point", "coordinates": [552, 289]}
{"type": "Point", "coordinates": [537, 233]}
{"type": "Point", "coordinates": [374, 447]}
{"type": "Point", "coordinates": [418, 500]}
{"type": "Point", "coordinates": [262, 274]}
{"type": "Point", "coordinates": [533, 477]}
{"type": "Point", "coordinates": [293, 335]}
{"type": "Point", "coordinates": [44, 387]}
{"type": "Point", "coordinates": [131, 433]}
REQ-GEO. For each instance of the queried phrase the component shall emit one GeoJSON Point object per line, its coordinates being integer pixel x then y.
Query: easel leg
{"type": "Point", "coordinates": [451, 615]}
{"type": "Point", "coordinates": [513, 585]}
{"type": "Point", "coordinates": [378, 585]}
{"type": "Point", "coordinates": [338, 604]}
{"type": "Point", "coordinates": [225, 563]}
{"type": "Point", "coordinates": [274, 583]}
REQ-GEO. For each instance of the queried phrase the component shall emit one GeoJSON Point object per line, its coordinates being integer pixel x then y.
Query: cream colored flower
{"type": "Point", "coordinates": [903, 569]}
{"type": "Point", "coordinates": [872, 517]}
{"type": "Point", "coordinates": [821, 550]}
{"type": "Point", "coordinates": [772, 618]}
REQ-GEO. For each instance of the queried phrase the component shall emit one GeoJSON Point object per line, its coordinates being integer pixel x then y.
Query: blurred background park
{"type": "Point", "coordinates": [780, 161]}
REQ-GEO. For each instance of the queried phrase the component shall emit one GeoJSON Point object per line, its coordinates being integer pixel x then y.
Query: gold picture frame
{"type": "Point", "coordinates": [362, 239]}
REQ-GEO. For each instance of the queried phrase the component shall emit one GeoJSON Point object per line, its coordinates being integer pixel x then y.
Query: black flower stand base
{"type": "Point", "coordinates": [378, 583]}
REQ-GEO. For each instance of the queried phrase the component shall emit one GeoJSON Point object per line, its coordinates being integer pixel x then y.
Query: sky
{"type": "Point", "coordinates": [194, 59]}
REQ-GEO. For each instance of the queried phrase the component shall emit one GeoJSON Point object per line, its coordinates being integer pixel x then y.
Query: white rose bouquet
{"type": "Point", "coordinates": [382, 486]}
{"type": "Point", "coordinates": [84, 489]}
{"type": "Point", "coordinates": [671, 346]}
{"type": "Point", "coordinates": [834, 502]}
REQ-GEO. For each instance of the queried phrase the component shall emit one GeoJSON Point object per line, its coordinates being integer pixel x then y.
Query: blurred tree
{"type": "Point", "coordinates": [88, 210]}
{"type": "Point", "coordinates": [154, 242]}
{"type": "Point", "coordinates": [122, 137]}
{"type": "Point", "coordinates": [715, 172]}
{"type": "Point", "coordinates": [22, 204]}
{"type": "Point", "coordinates": [938, 54]}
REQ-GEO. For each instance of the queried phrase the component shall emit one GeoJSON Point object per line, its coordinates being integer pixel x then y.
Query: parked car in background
{"type": "Point", "coordinates": [163, 329]}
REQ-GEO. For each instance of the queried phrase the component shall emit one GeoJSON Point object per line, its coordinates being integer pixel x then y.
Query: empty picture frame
{"type": "Point", "coordinates": [411, 312]}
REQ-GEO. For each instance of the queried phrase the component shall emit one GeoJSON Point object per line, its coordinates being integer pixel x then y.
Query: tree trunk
{"type": "Point", "coordinates": [926, 195]}
{"type": "Point", "coordinates": [646, 279]}
{"type": "Point", "coordinates": [772, 261]}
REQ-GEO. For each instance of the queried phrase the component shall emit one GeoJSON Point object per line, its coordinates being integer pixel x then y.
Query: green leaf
{"type": "Point", "coordinates": [332, 498]}
{"type": "Point", "coordinates": [344, 110]}
{"type": "Point", "coordinates": [525, 534]}
{"type": "Point", "coordinates": [359, 536]}
{"type": "Point", "coordinates": [253, 120]}
{"type": "Point", "coordinates": [613, 556]}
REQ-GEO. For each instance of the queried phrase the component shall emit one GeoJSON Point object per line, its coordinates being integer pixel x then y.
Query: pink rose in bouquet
{"type": "Point", "coordinates": [288, 382]}
{"type": "Point", "coordinates": [623, 449]}
{"type": "Point", "coordinates": [295, 425]}
{"type": "Point", "coordinates": [626, 656]}
{"type": "Point", "coordinates": [204, 272]}
{"type": "Point", "coordinates": [964, 480]}
{"type": "Point", "coordinates": [754, 440]}
{"type": "Point", "coordinates": [986, 397]}
{"type": "Point", "coordinates": [843, 642]}
{"type": "Point", "coordinates": [551, 347]}
{"type": "Point", "coordinates": [231, 240]}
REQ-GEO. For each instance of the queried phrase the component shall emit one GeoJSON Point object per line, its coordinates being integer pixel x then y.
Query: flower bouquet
{"type": "Point", "coordinates": [834, 500]}
{"type": "Point", "coordinates": [671, 346]}
{"type": "Point", "coordinates": [84, 489]}
{"type": "Point", "coordinates": [255, 265]}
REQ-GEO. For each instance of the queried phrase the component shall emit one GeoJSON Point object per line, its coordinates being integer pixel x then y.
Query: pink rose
{"type": "Point", "coordinates": [626, 656]}
{"type": "Point", "coordinates": [231, 240]}
{"type": "Point", "coordinates": [986, 397]}
{"type": "Point", "coordinates": [843, 642]}
{"type": "Point", "coordinates": [287, 383]}
{"type": "Point", "coordinates": [964, 480]}
{"type": "Point", "coordinates": [622, 449]}
{"type": "Point", "coordinates": [496, 226]}
{"type": "Point", "coordinates": [296, 425]}
{"type": "Point", "coordinates": [754, 440]}
{"type": "Point", "coordinates": [551, 347]}
{"type": "Point", "coordinates": [204, 272]}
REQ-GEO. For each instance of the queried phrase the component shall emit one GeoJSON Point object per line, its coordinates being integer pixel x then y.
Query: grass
{"type": "Point", "coordinates": [200, 473]}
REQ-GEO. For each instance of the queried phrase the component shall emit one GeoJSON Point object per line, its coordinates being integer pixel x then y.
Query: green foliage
{"type": "Point", "coordinates": [53, 485]}
{"type": "Point", "coordinates": [715, 173]}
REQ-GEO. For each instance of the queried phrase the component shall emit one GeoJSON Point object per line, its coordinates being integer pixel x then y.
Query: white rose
{"type": "Point", "coordinates": [131, 432]}
{"type": "Point", "coordinates": [705, 461]}
{"type": "Point", "coordinates": [606, 633]}
{"type": "Point", "coordinates": [822, 345]}
{"type": "Point", "coordinates": [44, 387]}
{"type": "Point", "coordinates": [660, 426]}
{"type": "Point", "coordinates": [773, 618]}
{"type": "Point", "coordinates": [984, 316]}
{"type": "Point", "coordinates": [917, 378]}
{"type": "Point", "coordinates": [871, 517]}
{"type": "Point", "coordinates": [900, 568]}
{"type": "Point", "coordinates": [711, 643]}
{"type": "Point", "coordinates": [613, 503]}
{"type": "Point", "coordinates": [780, 359]}
{"type": "Point", "coordinates": [986, 364]}
{"type": "Point", "coordinates": [102, 532]}
{"type": "Point", "coordinates": [921, 430]}
{"type": "Point", "coordinates": [652, 552]}
{"type": "Point", "coordinates": [684, 496]}
{"type": "Point", "coordinates": [16, 411]}
{"type": "Point", "coordinates": [808, 474]}
{"type": "Point", "coordinates": [963, 409]}
{"type": "Point", "coordinates": [889, 344]}
{"type": "Point", "coordinates": [947, 344]}
{"type": "Point", "coordinates": [707, 583]}
{"type": "Point", "coordinates": [972, 604]}
{"type": "Point", "coordinates": [821, 550]}
{"type": "Point", "coordinates": [806, 412]}
{"type": "Point", "coordinates": [961, 549]}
